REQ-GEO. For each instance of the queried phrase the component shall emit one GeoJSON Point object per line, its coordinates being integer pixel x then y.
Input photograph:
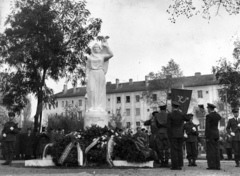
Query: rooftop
{"type": "Point", "coordinates": [187, 82]}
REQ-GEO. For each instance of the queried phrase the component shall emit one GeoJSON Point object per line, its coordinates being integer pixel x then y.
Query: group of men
{"type": "Point", "coordinates": [171, 130]}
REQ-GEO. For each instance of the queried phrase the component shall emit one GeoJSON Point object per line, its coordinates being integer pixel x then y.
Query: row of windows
{"type": "Point", "coordinates": [138, 124]}
{"type": "Point", "coordinates": [66, 103]}
{"type": "Point", "coordinates": [128, 112]}
{"type": "Point", "coordinates": [137, 98]}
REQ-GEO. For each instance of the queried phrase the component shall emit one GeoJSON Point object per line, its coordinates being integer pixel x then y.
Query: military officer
{"type": "Point", "coordinates": [212, 138]}
{"type": "Point", "coordinates": [9, 132]}
{"type": "Point", "coordinates": [175, 121]}
{"type": "Point", "coordinates": [233, 129]}
{"type": "Point", "coordinates": [191, 135]}
{"type": "Point", "coordinates": [163, 144]}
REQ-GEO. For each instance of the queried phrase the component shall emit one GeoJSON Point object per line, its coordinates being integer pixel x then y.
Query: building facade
{"type": "Point", "coordinates": [125, 98]}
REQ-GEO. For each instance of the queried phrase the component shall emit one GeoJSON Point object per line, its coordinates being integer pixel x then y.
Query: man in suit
{"type": "Point", "coordinates": [9, 132]}
{"type": "Point", "coordinates": [233, 130]}
{"type": "Point", "coordinates": [163, 144]}
{"type": "Point", "coordinates": [191, 135]}
{"type": "Point", "coordinates": [175, 121]}
{"type": "Point", "coordinates": [28, 144]}
{"type": "Point", "coordinates": [212, 138]}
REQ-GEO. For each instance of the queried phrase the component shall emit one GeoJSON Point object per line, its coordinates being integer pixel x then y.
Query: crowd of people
{"type": "Point", "coordinates": [170, 133]}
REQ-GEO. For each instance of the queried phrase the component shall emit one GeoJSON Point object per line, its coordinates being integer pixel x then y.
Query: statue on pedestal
{"type": "Point", "coordinates": [96, 68]}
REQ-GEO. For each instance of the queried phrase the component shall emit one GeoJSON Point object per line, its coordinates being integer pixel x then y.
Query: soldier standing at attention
{"type": "Point", "coordinates": [175, 121]}
{"type": "Point", "coordinates": [191, 134]}
{"type": "Point", "coordinates": [212, 138]}
{"type": "Point", "coordinates": [9, 132]}
{"type": "Point", "coordinates": [233, 129]}
{"type": "Point", "coordinates": [163, 144]}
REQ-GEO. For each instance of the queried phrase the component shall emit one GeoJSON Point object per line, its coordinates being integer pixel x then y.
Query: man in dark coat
{"type": "Point", "coordinates": [212, 138]}
{"type": "Point", "coordinates": [191, 135]}
{"type": "Point", "coordinates": [228, 146]}
{"type": "Point", "coordinates": [154, 134]}
{"type": "Point", "coordinates": [163, 144]}
{"type": "Point", "coordinates": [9, 132]}
{"type": "Point", "coordinates": [233, 129]}
{"type": "Point", "coordinates": [28, 143]}
{"type": "Point", "coordinates": [175, 121]}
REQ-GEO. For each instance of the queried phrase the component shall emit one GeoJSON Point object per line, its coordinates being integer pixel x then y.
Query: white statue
{"type": "Point", "coordinates": [96, 68]}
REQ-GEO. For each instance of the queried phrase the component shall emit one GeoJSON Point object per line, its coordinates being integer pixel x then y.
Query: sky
{"type": "Point", "coordinates": [143, 39]}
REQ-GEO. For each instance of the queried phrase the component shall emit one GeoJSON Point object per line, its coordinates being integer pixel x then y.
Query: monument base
{"type": "Point", "coordinates": [99, 118]}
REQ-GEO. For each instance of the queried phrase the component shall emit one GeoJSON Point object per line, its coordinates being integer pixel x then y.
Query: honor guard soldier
{"type": "Point", "coordinates": [175, 121]}
{"type": "Point", "coordinates": [191, 135]}
{"type": "Point", "coordinates": [163, 144]}
{"type": "Point", "coordinates": [233, 129]}
{"type": "Point", "coordinates": [212, 138]}
{"type": "Point", "coordinates": [9, 133]}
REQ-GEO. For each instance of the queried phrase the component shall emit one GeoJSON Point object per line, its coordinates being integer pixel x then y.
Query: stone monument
{"type": "Point", "coordinates": [96, 68]}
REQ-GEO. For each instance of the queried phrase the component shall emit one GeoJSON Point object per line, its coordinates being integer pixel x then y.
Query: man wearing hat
{"type": "Point", "coordinates": [9, 132]}
{"type": "Point", "coordinates": [233, 130]}
{"type": "Point", "coordinates": [191, 135]}
{"type": "Point", "coordinates": [163, 144]}
{"type": "Point", "coordinates": [175, 121]}
{"type": "Point", "coordinates": [212, 138]}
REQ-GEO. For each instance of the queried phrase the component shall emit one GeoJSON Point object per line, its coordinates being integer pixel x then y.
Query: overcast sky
{"type": "Point", "coordinates": [143, 39]}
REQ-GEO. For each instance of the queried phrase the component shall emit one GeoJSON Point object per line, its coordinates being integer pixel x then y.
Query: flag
{"type": "Point", "coordinates": [183, 97]}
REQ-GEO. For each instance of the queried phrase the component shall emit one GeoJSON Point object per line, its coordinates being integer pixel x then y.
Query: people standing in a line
{"type": "Point", "coordinates": [191, 135]}
{"type": "Point", "coordinates": [28, 144]}
{"type": "Point", "coordinates": [212, 138]}
{"type": "Point", "coordinates": [9, 132]}
{"type": "Point", "coordinates": [233, 129]}
{"type": "Point", "coordinates": [228, 146]}
{"type": "Point", "coordinates": [175, 121]}
{"type": "Point", "coordinates": [154, 138]}
{"type": "Point", "coordinates": [163, 144]}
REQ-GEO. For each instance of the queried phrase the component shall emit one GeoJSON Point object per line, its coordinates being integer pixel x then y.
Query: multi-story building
{"type": "Point", "coordinates": [125, 98]}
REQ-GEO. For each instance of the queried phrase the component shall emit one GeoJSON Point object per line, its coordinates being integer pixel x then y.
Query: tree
{"type": "Point", "coordinates": [3, 117]}
{"type": "Point", "coordinates": [160, 83]}
{"type": "Point", "coordinates": [46, 39]}
{"type": "Point", "coordinates": [227, 73]}
{"type": "Point", "coordinates": [189, 8]}
{"type": "Point", "coordinates": [27, 111]}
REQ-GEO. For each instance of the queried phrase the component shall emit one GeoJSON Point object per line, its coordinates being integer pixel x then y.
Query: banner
{"type": "Point", "coordinates": [183, 97]}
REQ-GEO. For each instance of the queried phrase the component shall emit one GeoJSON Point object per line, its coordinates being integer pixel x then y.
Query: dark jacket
{"type": "Point", "coordinates": [28, 144]}
{"type": "Point", "coordinates": [232, 126]}
{"type": "Point", "coordinates": [212, 120]}
{"type": "Point", "coordinates": [192, 135]}
{"type": "Point", "coordinates": [175, 121]}
{"type": "Point", "coordinates": [11, 134]}
{"type": "Point", "coordinates": [161, 122]}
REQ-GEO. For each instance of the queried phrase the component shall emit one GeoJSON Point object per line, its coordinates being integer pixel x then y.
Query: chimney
{"type": "Point", "coordinates": [198, 74]}
{"type": "Point", "coordinates": [130, 81]}
{"type": "Point", "coordinates": [64, 88]}
{"type": "Point", "coordinates": [146, 81]}
{"type": "Point", "coordinates": [75, 89]}
{"type": "Point", "coordinates": [117, 82]}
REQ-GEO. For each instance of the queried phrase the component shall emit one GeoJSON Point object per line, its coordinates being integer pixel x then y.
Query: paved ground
{"type": "Point", "coordinates": [17, 168]}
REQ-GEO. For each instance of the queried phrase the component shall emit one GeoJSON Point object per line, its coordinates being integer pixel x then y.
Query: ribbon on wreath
{"type": "Point", "coordinates": [110, 145]}
{"type": "Point", "coordinates": [67, 151]}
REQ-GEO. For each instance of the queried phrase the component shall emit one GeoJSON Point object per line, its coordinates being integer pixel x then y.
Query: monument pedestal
{"type": "Point", "coordinates": [99, 118]}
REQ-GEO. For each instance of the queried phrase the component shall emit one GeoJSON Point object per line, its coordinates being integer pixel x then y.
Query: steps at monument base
{"type": "Point", "coordinates": [40, 162]}
{"type": "Point", "coordinates": [128, 164]}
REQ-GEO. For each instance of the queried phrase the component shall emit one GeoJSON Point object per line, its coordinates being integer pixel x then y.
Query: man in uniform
{"type": "Point", "coordinates": [163, 144]}
{"type": "Point", "coordinates": [233, 129]}
{"type": "Point", "coordinates": [9, 132]}
{"type": "Point", "coordinates": [212, 138]}
{"type": "Point", "coordinates": [154, 134]}
{"type": "Point", "coordinates": [191, 135]}
{"type": "Point", "coordinates": [175, 121]}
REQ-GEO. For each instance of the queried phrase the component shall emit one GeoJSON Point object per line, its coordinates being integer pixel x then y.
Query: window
{"type": "Point", "coordinates": [137, 98]}
{"type": "Point", "coordinates": [206, 92]}
{"type": "Point", "coordinates": [137, 111]}
{"type": "Point", "coordinates": [118, 110]}
{"type": "Point", "coordinates": [56, 104]}
{"type": "Point", "coordinates": [72, 102]}
{"type": "Point", "coordinates": [79, 102]}
{"type": "Point", "coordinates": [202, 124]}
{"type": "Point", "coordinates": [118, 99]}
{"type": "Point", "coordinates": [109, 99]}
{"type": "Point", "coordinates": [80, 114]}
{"type": "Point", "coordinates": [200, 95]}
{"type": "Point", "coordinates": [147, 110]}
{"type": "Point", "coordinates": [66, 103]}
{"type": "Point", "coordinates": [137, 124]}
{"type": "Point", "coordinates": [49, 107]}
{"type": "Point", "coordinates": [127, 99]}
{"type": "Point", "coordinates": [154, 97]}
{"type": "Point", "coordinates": [127, 112]}
{"type": "Point", "coordinates": [128, 124]}
{"type": "Point", "coordinates": [62, 103]}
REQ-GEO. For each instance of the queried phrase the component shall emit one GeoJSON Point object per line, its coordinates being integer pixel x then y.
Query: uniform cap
{"type": "Point", "coordinates": [163, 107]}
{"type": "Point", "coordinates": [201, 106]}
{"type": "Point", "coordinates": [175, 103]}
{"type": "Point", "coordinates": [209, 105]}
{"type": "Point", "coordinates": [235, 110]}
